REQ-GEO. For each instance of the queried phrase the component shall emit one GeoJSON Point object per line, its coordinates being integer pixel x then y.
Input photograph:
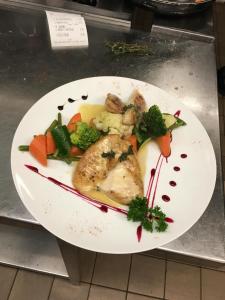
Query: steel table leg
{"type": "Point", "coordinates": [70, 256]}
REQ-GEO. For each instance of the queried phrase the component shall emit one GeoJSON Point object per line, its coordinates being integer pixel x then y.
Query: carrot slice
{"type": "Point", "coordinates": [75, 151]}
{"type": "Point", "coordinates": [133, 141]}
{"type": "Point", "coordinates": [164, 144]}
{"type": "Point", "coordinates": [72, 123]}
{"type": "Point", "coordinates": [50, 143]}
{"type": "Point", "coordinates": [38, 149]}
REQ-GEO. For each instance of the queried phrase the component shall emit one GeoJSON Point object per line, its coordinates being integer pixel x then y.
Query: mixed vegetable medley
{"type": "Point", "coordinates": [62, 142]}
{"type": "Point", "coordinates": [132, 122]}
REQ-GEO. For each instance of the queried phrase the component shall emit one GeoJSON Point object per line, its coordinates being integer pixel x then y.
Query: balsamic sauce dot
{"type": "Point", "coordinates": [60, 107]}
{"type": "Point", "coordinates": [84, 97]}
{"type": "Point", "coordinates": [165, 198]}
{"type": "Point", "coordinates": [172, 183]}
{"type": "Point", "coordinates": [70, 100]}
{"type": "Point", "coordinates": [176, 169]}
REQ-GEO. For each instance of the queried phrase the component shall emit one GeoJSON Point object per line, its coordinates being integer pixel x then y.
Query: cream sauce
{"type": "Point", "coordinates": [142, 159]}
{"type": "Point", "coordinates": [96, 195]}
{"type": "Point", "coordinates": [90, 111]}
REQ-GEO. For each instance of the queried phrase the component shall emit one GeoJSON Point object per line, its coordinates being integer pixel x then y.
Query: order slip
{"type": "Point", "coordinates": [67, 30]}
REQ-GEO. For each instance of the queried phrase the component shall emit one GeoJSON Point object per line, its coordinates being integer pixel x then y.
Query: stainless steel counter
{"type": "Point", "coordinates": [182, 63]}
{"type": "Point", "coordinates": [119, 9]}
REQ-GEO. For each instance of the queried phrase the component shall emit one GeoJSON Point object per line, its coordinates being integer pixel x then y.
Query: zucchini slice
{"type": "Point", "coordinates": [172, 122]}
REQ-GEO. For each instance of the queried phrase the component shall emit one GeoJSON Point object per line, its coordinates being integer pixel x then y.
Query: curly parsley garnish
{"type": "Point", "coordinates": [124, 155]}
{"type": "Point", "coordinates": [152, 219]}
{"type": "Point", "coordinates": [109, 155]}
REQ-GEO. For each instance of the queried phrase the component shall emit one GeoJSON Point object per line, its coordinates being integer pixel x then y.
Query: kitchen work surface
{"type": "Point", "coordinates": [181, 63]}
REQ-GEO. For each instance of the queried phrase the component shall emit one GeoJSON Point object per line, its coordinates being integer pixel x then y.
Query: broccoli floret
{"type": "Point", "coordinates": [84, 136]}
{"type": "Point", "coordinates": [150, 125]}
{"type": "Point", "coordinates": [154, 123]}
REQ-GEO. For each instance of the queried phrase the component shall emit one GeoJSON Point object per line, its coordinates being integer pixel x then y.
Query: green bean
{"type": "Point", "coordinates": [56, 153]}
{"type": "Point", "coordinates": [61, 137]}
{"type": "Point", "coordinates": [23, 148]}
{"type": "Point", "coordinates": [52, 125]}
{"type": "Point", "coordinates": [67, 160]}
{"type": "Point", "coordinates": [59, 118]}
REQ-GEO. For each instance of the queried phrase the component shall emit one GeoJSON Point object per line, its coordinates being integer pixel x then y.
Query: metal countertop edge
{"type": "Point", "coordinates": [206, 258]}
{"type": "Point", "coordinates": [96, 14]}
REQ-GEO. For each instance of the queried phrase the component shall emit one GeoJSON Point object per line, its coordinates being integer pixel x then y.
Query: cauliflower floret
{"type": "Point", "coordinates": [112, 123]}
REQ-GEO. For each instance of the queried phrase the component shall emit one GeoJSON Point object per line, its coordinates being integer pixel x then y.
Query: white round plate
{"type": "Point", "coordinates": [79, 223]}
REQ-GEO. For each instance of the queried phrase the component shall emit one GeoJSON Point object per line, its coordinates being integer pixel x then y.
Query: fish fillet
{"type": "Point", "coordinates": [121, 181]}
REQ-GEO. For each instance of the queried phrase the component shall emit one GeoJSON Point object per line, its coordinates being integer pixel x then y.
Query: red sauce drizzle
{"type": "Point", "coordinates": [139, 232]}
{"type": "Point", "coordinates": [32, 168]}
{"type": "Point", "coordinates": [157, 179]}
{"type": "Point", "coordinates": [165, 198]}
{"type": "Point", "coordinates": [151, 180]}
{"type": "Point", "coordinates": [169, 220]}
{"type": "Point", "coordinates": [183, 155]}
{"type": "Point", "coordinates": [177, 169]}
{"type": "Point", "coordinates": [172, 183]}
{"type": "Point", "coordinates": [104, 208]}
{"type": "Point", "coordinates": [152, 172]}
{"type": "Point", "coordinates": [96, 203]}
{"type": "Point", "coordinates": [152, 176]}
{"type": "Point", "coordinates": [177, 114]}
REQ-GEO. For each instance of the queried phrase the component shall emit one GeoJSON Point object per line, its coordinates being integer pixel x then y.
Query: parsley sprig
{"type": "Point", "coordinates": [152, 219]}
{"type": "Point", "coordinates": [111, 154]}
{"type": "Point", "coordinates": [129, 106]}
